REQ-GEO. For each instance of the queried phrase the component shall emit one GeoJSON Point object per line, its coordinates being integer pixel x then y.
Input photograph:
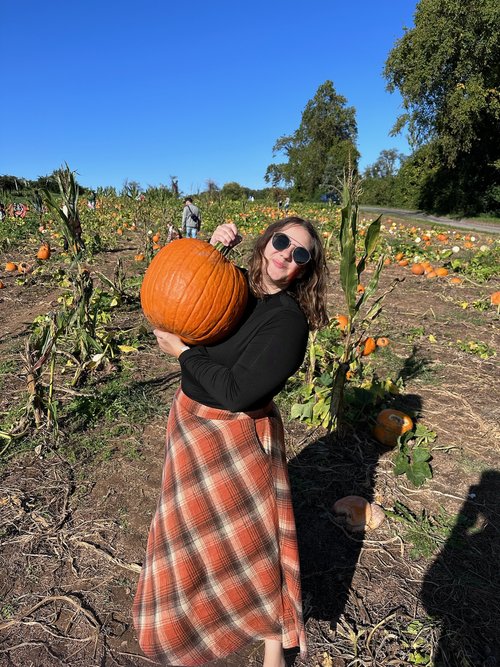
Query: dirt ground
{"type": "Point", "coordinates": [73, 528]}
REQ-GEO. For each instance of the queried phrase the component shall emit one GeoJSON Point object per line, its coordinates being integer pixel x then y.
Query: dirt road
{"type": "Point", "coordinates": [463, 223]}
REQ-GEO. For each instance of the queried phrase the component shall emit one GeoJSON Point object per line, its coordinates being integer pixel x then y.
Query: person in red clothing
{"type": "Point", "coordinates": [222, 567]}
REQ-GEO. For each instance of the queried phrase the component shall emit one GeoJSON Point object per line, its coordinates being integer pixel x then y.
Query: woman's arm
{"type": "Point", "coordinates": [274, 354]}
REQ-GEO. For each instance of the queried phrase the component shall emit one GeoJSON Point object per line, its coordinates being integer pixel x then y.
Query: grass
{"type": "Point", "coordinates": [119, 397]}
{"type": "Point", "coordinates": [425, 533]}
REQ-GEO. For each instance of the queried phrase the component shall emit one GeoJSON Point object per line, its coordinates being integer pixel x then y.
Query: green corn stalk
{"type": "Point", "coordinates": [67, 213]}
{"type": "Point", "coordinates": [350, 275]}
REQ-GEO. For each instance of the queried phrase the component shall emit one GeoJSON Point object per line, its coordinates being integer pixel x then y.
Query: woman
{"type": "Point", "coordinates": [221, 567]}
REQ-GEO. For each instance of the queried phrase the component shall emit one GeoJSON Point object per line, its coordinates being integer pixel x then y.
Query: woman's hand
{"type": "Point", "coordinates": [227, 234]}
{"type": "Point", "coordinates": [169, 343]}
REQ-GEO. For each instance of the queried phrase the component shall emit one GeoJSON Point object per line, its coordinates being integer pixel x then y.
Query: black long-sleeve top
{"type": "Point", "coordinates": [246, 370]}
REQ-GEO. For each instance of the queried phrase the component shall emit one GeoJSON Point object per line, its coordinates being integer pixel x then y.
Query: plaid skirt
{"type": "Point", "coordinates": [221, 567]}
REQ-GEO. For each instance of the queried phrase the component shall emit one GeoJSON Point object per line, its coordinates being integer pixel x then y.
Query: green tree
{"type": "Point", "coordinates": [387, 164]}
{"type": "Point", "coordinates": [380, 184]}
{"type": "Point", "coordinates": [319, 150]}
{"type": "Point", "coordinates": [446, 70]}
{"type": "Point", "coordinates": [234, 191]}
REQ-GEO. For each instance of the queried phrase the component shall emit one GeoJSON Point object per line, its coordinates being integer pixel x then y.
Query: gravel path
{"type": "Point", "coordinates": [463, 223]}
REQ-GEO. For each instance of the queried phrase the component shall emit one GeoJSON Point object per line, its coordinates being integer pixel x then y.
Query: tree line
{"type": "Point", "coordinates": [446, 69]}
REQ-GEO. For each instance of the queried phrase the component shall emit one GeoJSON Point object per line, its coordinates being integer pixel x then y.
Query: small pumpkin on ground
{"type": "Point", "coordinates": [24, 267]}
{"type": "Point", "coordinates": [192, 290]}
{"type": "Point", "coordinates": [382, 341]}
{"type": "Point", "coordinates": [139, 257]}
{"type": "Point", "coordinates": [11, 266]}
{"type": "Point", "coordinates": [43, 252]}
{"type": "Point", "coordinates": [368, 346]}
{"type": "Point", "coordinates": [390, 425]}
{"type": "Point", "coordinates": [342, 321]}
{"type": "Point", "coordinates": [1, 285]}
{"type": "Point", "coordinates": [358, 514]}
{"type": "Point", "coordinates": [441, 272]}
{"type": "Point", "coordinates": [495, 299]}
{"type": "Point", "coordinates": [418, 269]}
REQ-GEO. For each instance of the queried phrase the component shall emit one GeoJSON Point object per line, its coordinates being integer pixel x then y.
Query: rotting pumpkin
{"type": "Point", "coordinates": [390, 425]}
{"type": "Point", "coordinates": [192, 290]}
{"type": "Point", "coordinates": [359, 514]}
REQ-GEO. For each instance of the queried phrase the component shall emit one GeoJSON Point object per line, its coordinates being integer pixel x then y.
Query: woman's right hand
{"type": "Point", "coordinates": [227, 234]}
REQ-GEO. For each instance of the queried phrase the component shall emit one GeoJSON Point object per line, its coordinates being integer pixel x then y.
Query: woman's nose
{"type": "Point", "coordinates": [287, 253]}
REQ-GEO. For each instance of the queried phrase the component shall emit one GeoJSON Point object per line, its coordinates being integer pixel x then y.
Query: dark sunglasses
{"type": "Point", "coordinates": [281, 241]}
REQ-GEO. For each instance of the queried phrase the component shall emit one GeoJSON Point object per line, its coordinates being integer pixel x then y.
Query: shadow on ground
{"type": "Point", "coordinates": [461, 590]}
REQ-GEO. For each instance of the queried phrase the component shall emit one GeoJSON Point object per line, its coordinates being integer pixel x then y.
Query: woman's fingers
{"type": "Point", "coordinates": [225, 234]}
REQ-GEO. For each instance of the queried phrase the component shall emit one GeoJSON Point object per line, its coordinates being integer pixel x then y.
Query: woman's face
{"type": "Point", "coordinates": [279, 268]}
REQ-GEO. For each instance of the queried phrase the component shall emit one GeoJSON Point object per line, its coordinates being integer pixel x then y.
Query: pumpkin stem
{"type": "Point", "coordinates": [223, 249]}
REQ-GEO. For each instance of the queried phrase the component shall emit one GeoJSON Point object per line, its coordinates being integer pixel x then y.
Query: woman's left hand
{"type": "Point", "coordinates": [169, 343]}
{"type": "Point", "coordinates": [227, 234]}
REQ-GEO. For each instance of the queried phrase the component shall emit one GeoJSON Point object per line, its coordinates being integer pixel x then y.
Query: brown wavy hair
{"type": "Point", "coordinates": [309, 288]}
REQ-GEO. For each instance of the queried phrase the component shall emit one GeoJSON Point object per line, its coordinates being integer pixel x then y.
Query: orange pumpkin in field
{"type": "Point", "coordinates": [418, 269]}
{"type": "Point", "coordinates": [368, 346]}
{"type": "Point", "coordinates": [382, 341]}
{"type": "Point", "coordinates": [192, 290]}
{"type": "Point", "coordinates": [44, 252]}
{"type": "Point", "coordinates": [495, 299]}
{"type": "Point", "coordinates": [11, 266]}
{"type": "Point", "coordinates": [343, 321]}
{"type": "Point", "coordinates": [390, 425]}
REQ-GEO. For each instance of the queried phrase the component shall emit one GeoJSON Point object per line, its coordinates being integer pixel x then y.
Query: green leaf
{"type": "Point", "coordinates": [349, 275]}
{"type": "Point", "coordinates": [372, 236]}
{"type": "Point", "coordinates": [417, 473]}
{"type": "Point", "coordinates": [401, 464]}
{"type": "Point", "coordinates": [420, 454]}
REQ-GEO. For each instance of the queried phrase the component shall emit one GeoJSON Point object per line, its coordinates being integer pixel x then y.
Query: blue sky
{"type": "Point", "coordinates": [197, 90]}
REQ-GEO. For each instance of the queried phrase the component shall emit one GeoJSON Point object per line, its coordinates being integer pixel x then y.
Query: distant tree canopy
{"type": "Point", "coordinates": [447, 71]}
{"type": "Point", "coordinates": [234, 191]}
{"type": "Point", "coordinates": [380, 180]}
{"type": "Point", "coordinates": [319, 149]}
{"type": "Point", "coordinates": [18, 186]}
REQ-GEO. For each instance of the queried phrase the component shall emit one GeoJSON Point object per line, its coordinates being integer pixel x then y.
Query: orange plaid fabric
{"type": "Point", "coordinates": [221, 566]}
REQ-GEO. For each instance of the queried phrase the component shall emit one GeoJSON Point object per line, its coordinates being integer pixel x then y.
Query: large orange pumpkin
{"type": "Point", "coordinates": [192, 290]}
{"type": "Point", "coordinates": [390, 425]}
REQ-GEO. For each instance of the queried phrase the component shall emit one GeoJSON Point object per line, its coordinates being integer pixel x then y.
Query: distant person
{"type": "Point", "coordinates": [280, 204]}
{"type": "Point", "coordinates": [287, 204]}
{"type": "Point", "coordinates": [191, 219]}
{"type": "Point", "coordinates": [3, 212]}
{"type": "Point", "coordinates": [91, 200]}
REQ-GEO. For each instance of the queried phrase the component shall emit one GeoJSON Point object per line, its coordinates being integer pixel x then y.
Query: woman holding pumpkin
{"type": "Point", "coordinates": [222, 566]}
